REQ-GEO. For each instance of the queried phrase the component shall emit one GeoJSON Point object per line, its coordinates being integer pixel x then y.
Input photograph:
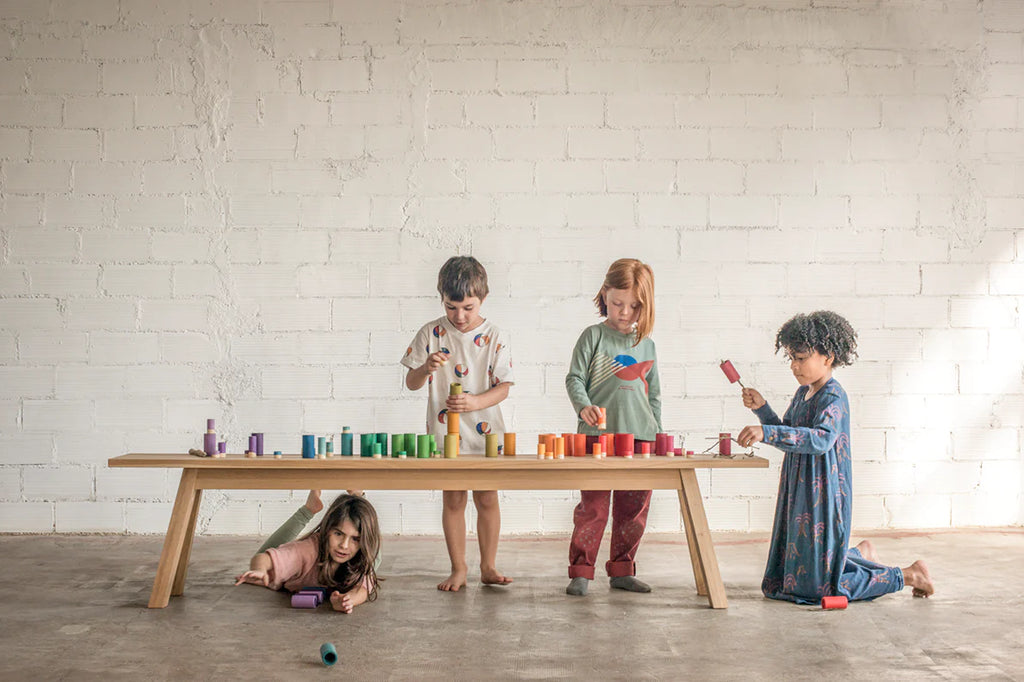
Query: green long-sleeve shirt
{"type": "Point", "coordinates": [608, 371]}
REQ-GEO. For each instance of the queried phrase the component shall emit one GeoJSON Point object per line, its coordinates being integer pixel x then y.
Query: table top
{"type": "Point", "coordinates": [463, 462]}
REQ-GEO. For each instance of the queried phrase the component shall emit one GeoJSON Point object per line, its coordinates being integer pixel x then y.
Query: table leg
{"type": "Point", "coordinates": [173, 543]}
{"type": "Point", "coordinates": [693, 504]}
{"type": "Point", "coordinates": [691, 544]}
{"type": "Point", "coordinates": [186, 547]}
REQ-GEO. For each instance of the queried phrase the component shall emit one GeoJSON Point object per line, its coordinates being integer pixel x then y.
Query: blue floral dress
{"type": "Point", "coordinates": [808, 558]}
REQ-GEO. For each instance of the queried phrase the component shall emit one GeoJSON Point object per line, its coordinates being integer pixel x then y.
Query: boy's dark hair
{"type": "Point", "coordinates": [461, 277]}
{"type": "Point", "coordinates": [824, 331]}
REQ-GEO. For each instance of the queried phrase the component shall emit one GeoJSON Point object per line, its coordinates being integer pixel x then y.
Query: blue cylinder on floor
{"type": "Point", "coordinates": [328, 654]}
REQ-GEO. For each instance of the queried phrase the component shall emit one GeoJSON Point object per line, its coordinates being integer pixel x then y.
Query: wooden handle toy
{"type": "Point", "coordinates": [730, 373]}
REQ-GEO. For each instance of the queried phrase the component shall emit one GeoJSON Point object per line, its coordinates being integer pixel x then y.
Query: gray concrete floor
{"type": "Point", "coordinates": [74, 608]}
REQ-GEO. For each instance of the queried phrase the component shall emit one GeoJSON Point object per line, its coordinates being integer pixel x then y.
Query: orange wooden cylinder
{"type": "Point", "coordinates": [559, 447]}
{"type": "Point", "coordinates": [549, 442]}
{"type": "Point", "coordinates": [510, 445]}
{"type": "Point", "coordinates": [579, 448]}
{"type": "Point", "coordinates": [570, 443]}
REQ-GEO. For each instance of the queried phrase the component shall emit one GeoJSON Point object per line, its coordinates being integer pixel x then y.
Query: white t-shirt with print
{"type": "Point", "coordinates": [479, 360]}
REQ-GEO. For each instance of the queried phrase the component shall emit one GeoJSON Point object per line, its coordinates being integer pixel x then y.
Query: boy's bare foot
{"type": "Point", "coordinates": [490, 576]}
{"type": "Point", "coordinates": [313, 502]}
{"type": "Point", "coordinates": [455, 582]}
{"type": "Point", "coordinates": [917, 576]}
{"type": "Point", "coordinates": [867, 550]}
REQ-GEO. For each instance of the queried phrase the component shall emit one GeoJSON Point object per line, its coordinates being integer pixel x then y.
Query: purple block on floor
{"type": "Point", "coordinates": [305, 601]}
{"type": "Point", "coordinates": [322, 592]}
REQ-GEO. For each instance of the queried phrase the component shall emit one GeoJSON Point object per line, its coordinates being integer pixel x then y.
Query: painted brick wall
{"type": "Point", "coordinates": [237, 208]}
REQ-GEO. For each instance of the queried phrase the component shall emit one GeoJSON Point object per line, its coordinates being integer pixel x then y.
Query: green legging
{"type": "Point", "coordinates": [289, 530]}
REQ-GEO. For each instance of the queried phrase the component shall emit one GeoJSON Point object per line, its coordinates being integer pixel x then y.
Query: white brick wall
{"type": "Point", "coordinates": [250, 229]}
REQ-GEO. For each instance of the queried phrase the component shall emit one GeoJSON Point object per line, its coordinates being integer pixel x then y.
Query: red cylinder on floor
{"type": "Point", "coordinates": [833, 602]}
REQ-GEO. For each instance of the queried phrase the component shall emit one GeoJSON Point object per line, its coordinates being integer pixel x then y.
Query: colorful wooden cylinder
{"type": "Point", "coordinates": [308, 447]}
{"type": "Point", "coordinates": [452, 418]}
{"type": "Point", "coordinates": [623, 444]}
{"type": "Point", "coordinates": [510, 444]}
{"type": "Point", "coordinates": [725, 444]}
{"type": "Point", "coordinates": [570, 443]}
{"type": "Point", "coordinates": [346, 441]}
{"type": "Point", "coordinates": [579, 446]}
{"type": "Point", "coordinates": [423, 446]}
{"type": "Point", "coordinates": [451, 446]}
{"type": "Point", "coordinates": [491, 445]}
{"type": "Point", "coordinates": [328, 654]}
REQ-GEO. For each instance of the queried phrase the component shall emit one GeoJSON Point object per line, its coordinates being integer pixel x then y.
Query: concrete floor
{"type": "Point", "coordinates": [74, 609]}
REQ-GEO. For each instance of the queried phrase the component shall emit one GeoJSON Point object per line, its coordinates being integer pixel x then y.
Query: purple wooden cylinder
{"type": "Point", "coordinates": [252, 443]}
{"type": "Point", "coordinates": [210, 425]}
{"type": "Point", "coordinates": [210, 444]}
{"type": "Point", "coordinates": [222, 447]}
{"type": "Point", "coordinates": [259, 444]}
{"type": "Point", "coordinates": [305, 600]}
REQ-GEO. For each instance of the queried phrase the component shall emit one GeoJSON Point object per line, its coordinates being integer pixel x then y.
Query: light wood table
{"type": "Point", "coordinates": [468, 472]}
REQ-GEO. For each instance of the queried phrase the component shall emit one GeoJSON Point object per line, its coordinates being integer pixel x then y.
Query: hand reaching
{"type": "Point", "coordinates": [750, 435]}
{"type": "Point", "coordinates": [254, 578]}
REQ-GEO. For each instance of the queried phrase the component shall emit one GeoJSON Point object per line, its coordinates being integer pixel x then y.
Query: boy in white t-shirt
{"type": "Point", "coordinates": [465, 348]}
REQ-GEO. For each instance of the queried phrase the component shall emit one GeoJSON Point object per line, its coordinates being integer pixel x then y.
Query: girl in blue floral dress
{"type": "Point", "coordinates": [809, 556]}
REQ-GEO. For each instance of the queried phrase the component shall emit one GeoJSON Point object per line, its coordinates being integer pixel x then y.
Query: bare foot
{"type": "Point", "coordinates": [455, 582]}
{"type": "Point", "coordinates": [491, 576]}
{"type": "Point", "coordinates": [867, 550]}
{"type": "Point", "coordinates": [917, 576]}
{"type": "Point", "coordinates": [313, 502]}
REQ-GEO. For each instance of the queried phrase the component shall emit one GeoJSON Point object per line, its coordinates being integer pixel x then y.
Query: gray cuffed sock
{"type": "Point", "coordinates": [629, 583]}
{"type": "Point", "coordinates": [578, 587]}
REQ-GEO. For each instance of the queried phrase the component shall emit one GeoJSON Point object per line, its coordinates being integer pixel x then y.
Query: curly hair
{"type": "Point", "coordinates": [824, 331]}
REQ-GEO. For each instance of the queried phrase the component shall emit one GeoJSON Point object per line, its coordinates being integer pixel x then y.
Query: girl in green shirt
{"type": "Point", "coordinates": [615, 366]}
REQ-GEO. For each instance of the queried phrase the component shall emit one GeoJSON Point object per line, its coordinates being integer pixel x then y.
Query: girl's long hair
{"type": "Point", "coordinates": [349, 575]}
{"type": "Point", "coordinates": [631, 274]}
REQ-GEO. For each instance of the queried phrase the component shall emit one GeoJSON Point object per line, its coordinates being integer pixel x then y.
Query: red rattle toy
{"type": "Point", "coordinates": [730, 373]}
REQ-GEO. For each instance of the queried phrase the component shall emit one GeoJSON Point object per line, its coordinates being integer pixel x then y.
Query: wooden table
{"type": "Point", "coordinates": [467, 472]}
